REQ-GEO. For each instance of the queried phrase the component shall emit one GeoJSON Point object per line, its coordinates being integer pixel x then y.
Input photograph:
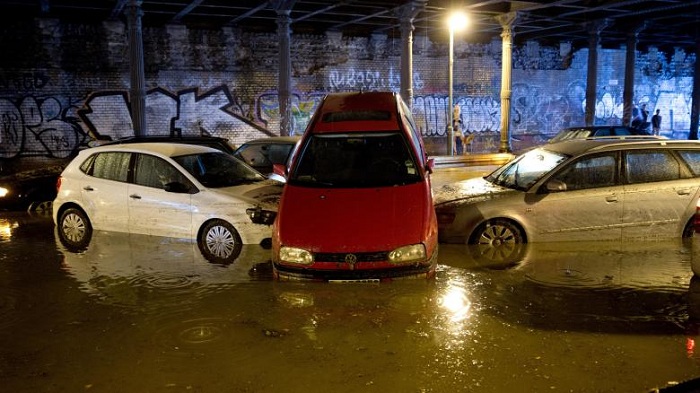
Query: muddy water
{"type": "Point", "coordinates": [144, 314]}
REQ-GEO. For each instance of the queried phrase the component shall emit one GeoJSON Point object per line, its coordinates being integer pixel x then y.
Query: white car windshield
{"type": "Point", "coordinates": [217, 170]}
{"type": "Point", "coordinates": [526, 169]}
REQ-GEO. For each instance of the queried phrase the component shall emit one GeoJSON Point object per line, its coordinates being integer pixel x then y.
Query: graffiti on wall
{"type": "Point", "coordinates": [107, 114]}
{"type": "Point", "coordinates": [38, 126]}
{"type": "Point", "coordinates": [57, 126]}
{"type": "Point", "coordinates": [351, 79]}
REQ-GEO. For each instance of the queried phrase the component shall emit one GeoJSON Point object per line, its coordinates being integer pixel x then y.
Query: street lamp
{"type": "Point", "coordinates": [456, 22]}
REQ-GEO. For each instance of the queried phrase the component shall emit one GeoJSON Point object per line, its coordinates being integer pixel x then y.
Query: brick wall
{"type": "Point", "coordinates": [62, 85]}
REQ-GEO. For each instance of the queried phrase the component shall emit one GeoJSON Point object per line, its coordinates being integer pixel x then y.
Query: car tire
{"type": "Point", "coordinates": [498, 241]}
{"type": "Point", "coordinates": [219, 242]}
{"type": "Point", "coordinates": [74, 229]}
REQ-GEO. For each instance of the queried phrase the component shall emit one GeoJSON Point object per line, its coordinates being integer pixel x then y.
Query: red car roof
{"type": "Point", "coordinates": [357, 112]}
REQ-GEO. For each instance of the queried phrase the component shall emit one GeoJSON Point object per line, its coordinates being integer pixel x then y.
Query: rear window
{"type": "Point", "coordinates": [692, 158]}
{"type": "Point", "coordinates": [355, 160]}
{"type": "Point", "coordinates": [333, 117]}
{"type": "Point", "coordinates": [651, 166]}
{"type": "Point", "coordinates": [571, 134]}
{"type": "Point", "coordinates": [110, 166]}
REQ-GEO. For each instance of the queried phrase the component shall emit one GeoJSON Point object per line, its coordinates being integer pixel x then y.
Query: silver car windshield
{"type": "Point", "coordinates": [526, 169]}
{"type": "Point", "coordinates": [217, 170]}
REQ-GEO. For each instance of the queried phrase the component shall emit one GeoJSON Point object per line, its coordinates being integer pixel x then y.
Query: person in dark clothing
{"type": "Point", "coordinates": [656, 122]}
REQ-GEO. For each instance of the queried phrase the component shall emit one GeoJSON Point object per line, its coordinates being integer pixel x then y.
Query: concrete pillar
{"type": "Point", "coordinates": [630, 65]}
{"type": "Point", "coordinates": [137, 92]}
{"type": "Point", "coordinates": [407, 13]}
{"type": "Point", "coordinates": [507, 21]}
{"type": "Point", "coordinates": [284, 89]}
{"type": "Point", "coordinates": [695, 100]}
{"type": "Point", "coordinates": [594, 29]}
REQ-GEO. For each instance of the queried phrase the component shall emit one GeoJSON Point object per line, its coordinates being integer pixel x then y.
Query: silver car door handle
{"type": "Point", "coordinates": [611, 198]}
{"type": "Point", "coordinates": [88, 188]}
{"type": "Point", "coordinates": [134, 196]}
{"type": "Point", "coordinates": [683, 191]}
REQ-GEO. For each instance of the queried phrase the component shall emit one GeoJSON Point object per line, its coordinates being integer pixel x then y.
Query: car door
{"type": "Point", "coordinates": [103, 190]}
{"type": "Point", "coordinates": [586, 203]}
{"type": "Point", "coordinates": [659, 195]}
{"type": "Point", "coordinates": [152, 209]}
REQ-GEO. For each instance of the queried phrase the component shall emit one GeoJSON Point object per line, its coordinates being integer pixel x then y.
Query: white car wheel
{"type": "Point", "coordinates": [219, 242]}
{"type": "Point", "coordinates": [74, 229]}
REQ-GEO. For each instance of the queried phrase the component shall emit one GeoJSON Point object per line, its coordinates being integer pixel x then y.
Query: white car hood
{"type": "Point", "coordinates": [477, 189]}
{"type": "Point", "coordinates": [265, 193]}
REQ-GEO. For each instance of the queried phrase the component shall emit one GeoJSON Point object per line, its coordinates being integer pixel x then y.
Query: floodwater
{"type": "Point", "coordinates": [147, 314]}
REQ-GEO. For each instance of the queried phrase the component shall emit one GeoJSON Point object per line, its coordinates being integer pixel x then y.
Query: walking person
{"type": "Point", "coordinates": [459, 137]}
{"type": "Point", "coordinates": [656, 122]}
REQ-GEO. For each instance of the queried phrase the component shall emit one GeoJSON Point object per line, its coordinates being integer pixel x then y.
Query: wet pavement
{"type": "Point", "coordinates": [147, 314]}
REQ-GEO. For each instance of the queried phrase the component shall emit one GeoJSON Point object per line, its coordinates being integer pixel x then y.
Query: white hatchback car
{"type": "Point", "coordinates": [166, 189]}
{"type": "Point", "coordinates": [588, 189]}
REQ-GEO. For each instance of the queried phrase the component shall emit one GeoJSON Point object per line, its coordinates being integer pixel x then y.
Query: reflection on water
{"type": "Point", "coordinates": [140, 270]}
{"type": "Point", "coordinates": [140, 313]}
{"type": "Point", "coordinates": [589, 286]}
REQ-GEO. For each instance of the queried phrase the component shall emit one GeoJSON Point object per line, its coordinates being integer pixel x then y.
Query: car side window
{"type": "Point", "coordinates": [651, 166]}
{"type": "Point", "coordinates": [692, 158]}
{"type": "Point", "coordinates": [621, 131]}
{"type": "Point", "coordinates": [603, 132]}
{"type": "Point", "coordinates": [277, 154]}
{"type": "Point", "coordinates": [589, 172]}
{"type": "Point", "coordinates": [151, 171]}
{"type": "Point", "coordinates": [254, 155]}
{"type": "Point", "coordinates": [110, 166]}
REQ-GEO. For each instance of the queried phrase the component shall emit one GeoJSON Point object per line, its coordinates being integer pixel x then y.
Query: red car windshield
{"type": "Point", "coordinates": [355, 160]}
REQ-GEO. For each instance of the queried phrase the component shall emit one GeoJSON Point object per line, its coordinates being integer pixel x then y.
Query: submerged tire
{"type": "Point", "coordinates": [219, 242]}
{"type": "Point", "coordinates": [74, 229]}
{"type": "Point", "coordinates": [499, 242]}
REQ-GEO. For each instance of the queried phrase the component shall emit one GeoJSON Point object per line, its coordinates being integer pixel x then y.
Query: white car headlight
{"type": "Point", "coordinates": [407, 254]}
{"type": "Point", "coordinates": [296, 255]}
{"type": "Point", "coordinates": [3, 191]}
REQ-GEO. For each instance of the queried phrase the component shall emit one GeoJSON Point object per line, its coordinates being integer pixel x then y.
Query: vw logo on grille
{"type": "Point", "coordinates": [350, 258]}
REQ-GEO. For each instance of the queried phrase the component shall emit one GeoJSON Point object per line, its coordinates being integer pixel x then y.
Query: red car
{"type": "Point", "coordinates": [357, 203]}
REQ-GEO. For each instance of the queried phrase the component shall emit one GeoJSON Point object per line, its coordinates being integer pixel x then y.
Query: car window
{"type": "Point", "coordinates": [151, 171]}
{"type": "Point", "coordinates": [692, 158]}
{"type": "Point", "coordinates": [415, 138]}
{"type": "Point", "coordinates": [651, 166]}
{"type": "Point", "coordinates": [602, 132]}
{"type": "Point", "coordinates": [109, 165]}
{"type": "Point", "coordinates": [254, 155]}
{"type": "Point", "coordinates": [621, 131]}
{"type": "Point", "coordinates": [218, 169]}
{"type": "Point", "coordinates": [571, 133]}
{"type": "Point", "coordinates": [356, 160]}
{"type": "Point", "coordinates": [526, 169]}
{"type": "Point", "coordinates": [589, 172]}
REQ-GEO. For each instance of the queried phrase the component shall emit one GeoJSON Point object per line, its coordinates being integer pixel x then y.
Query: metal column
{"type": "Point", "coordinates": [507, 21]}
{"type": "Point", "coordinates": [137, 92]}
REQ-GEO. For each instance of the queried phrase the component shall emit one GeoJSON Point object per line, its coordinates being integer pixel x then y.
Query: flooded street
{"type": "Point", "coordinates": [146, 314]}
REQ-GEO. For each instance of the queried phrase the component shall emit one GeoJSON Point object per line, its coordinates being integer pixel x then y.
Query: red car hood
{"type": "Point", "coordinates": [353, 220]}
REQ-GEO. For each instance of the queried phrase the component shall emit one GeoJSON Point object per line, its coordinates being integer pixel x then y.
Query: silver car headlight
{"type": "Point", "coordinates": [296, 255]}
{"type": "Point", "coordinates": [407, 254]}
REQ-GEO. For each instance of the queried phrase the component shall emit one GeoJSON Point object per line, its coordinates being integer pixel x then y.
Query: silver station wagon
{"type": "Point", "coordinates": [576, 190]}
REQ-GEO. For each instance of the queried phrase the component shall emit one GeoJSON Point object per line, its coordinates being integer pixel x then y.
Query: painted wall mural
{"type": "Point", "coordinates": [39, 126]}
{"type": "Point", "coordinates": [35, 124]}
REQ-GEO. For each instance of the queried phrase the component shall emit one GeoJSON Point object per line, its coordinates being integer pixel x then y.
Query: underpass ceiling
{"type": "Point", "coordinates": [662, 23]}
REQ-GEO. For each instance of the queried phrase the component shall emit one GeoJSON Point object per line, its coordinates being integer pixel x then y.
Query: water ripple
{"type": "Point", "coordinates": [206, 335]}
